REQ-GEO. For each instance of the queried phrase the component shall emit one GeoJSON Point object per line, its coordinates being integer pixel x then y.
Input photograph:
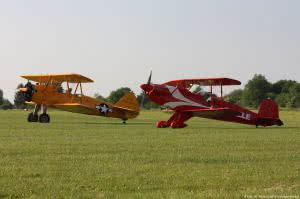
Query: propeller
{"type": "Point", "coordinates": [149, 79]}
{"type": "Point", "coordinates": [27, 91]}
{"type": "Point", "coordinates": [144, 93]}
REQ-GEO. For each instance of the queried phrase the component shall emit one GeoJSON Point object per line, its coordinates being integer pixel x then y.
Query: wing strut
{"type": "Point", "coordinates": [47, 84]}
{"type": "Point", "coordinates": [81, 92]}
{"type": "Point", "coordinates": [75, 92]}
{"type": "Point", "coordinates": [211, 96]}
{"type": "Point", "coordinates": [222, 104]}
{"type": "Point", "coordinates": [221, 91]}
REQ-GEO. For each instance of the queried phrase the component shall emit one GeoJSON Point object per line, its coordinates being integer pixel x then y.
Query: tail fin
{"type": "Point", "coordinates": [268, 113]}
{"type": "Point", "coordinates": [268, 109]}
{"type": "Point", "coordinates": [128, 102]}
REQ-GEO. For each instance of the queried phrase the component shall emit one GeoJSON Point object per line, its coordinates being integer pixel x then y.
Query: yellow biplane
{"type": "Point", "coordinates": [48, 92]}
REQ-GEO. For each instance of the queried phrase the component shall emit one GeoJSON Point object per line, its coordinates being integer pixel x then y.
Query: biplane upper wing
{"type": "Point", "coordinates": [187, 83]}
{"type": "Point", "coordinates": [58, 78]}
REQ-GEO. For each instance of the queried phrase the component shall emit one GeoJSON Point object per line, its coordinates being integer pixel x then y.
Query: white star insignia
{"type": "Point", "coordinates": [103, 108]}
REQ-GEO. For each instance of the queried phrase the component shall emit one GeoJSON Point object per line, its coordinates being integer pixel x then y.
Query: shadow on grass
{"type": "Point", "coordinates": [243, 127]}
{"type": "Point", "coordinates": [112, 123]}
{"type": "Point", "coordinates": [3, 195]}
{"type": "Point", "coordinates": [190, 126]}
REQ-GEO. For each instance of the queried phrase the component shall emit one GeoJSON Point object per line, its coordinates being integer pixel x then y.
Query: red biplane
{"type": "Point", "coordinates": [176, 95]}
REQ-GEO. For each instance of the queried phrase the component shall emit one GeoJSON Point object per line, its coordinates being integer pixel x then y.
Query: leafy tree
{"type": "Point", "coordinates": [19, 98]}
{"type": "Point", "coordinates": [100, 97]}
{"type": "Point", "coordinates": [278, 86]}
{"type": "Point", "coordinates": [289, 95]}
{"type": "Point", "coordinates": [293, 96]}
{"type": "Point", "coordinates": [297, 101]}
{"type": "Point", "coordinates": [235, 96]}
{"type": "Point", "coordinates": [287, 85]}
{"type": "Point", "coordinates": [145, 102]}
{"type": "Point", "coordinates": [6, 105]}
{"type": "Point", "coordinates": [281, 99]}
{"type": "Point", "coordinates": [116, 95]}
{"type": "Point", "coordinates": [142, 98]}
{"type": "Point", "coordinates": [271, 95]}
{"type": "Point", "coordinates": [256, 90]}
{"type": "Point", "coordinates": [1, 97]}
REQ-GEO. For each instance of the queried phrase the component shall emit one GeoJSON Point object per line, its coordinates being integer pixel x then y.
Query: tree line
{"type": "Point", "coordinates": [285, 92]}
{"type": "Point", "coordinates": [4, 103]}
{"type": "Point", "coordinates": [18, 103]}
{"type": "Point", "coordinates": [116, 95]}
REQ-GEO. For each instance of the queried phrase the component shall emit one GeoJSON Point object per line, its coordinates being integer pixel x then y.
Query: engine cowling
{"type": "Point", "coordinates": [28, 92]}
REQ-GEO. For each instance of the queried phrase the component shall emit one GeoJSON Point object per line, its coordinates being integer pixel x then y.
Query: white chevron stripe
{"type": "Point", "coordinates": [177, 95]}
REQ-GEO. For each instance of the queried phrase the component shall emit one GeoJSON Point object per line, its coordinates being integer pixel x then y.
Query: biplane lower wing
{"type": "Point", "coordinates": [76, 108]}
{"type": "Point", "coordinates": [213, 112]}
{"type": "Point", "coordinates": [125, 109]}
{"type": "Point", "coordinates": [116, 112]}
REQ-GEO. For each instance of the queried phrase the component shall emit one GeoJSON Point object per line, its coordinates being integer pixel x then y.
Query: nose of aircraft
{"type": "Point", "coordinates": [147, 87]}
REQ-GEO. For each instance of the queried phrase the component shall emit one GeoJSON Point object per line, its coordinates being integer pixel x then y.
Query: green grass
{"type": "Point", "coordinates": [79, 156]}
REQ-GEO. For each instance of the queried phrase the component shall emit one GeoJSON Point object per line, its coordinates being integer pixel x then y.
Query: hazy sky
{"type": "Point", "coordinates": [117, 42]}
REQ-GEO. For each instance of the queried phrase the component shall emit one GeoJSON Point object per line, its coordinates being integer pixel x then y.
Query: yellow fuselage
{"type": "Point", "coordinates": [49, 95]}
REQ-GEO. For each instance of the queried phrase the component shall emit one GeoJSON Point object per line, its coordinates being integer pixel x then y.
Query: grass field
{"type": "Point", "coordinates": [79, 156]}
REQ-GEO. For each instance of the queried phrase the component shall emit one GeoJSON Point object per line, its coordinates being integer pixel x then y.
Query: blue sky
{"type": "Point", "coordinates": [116, 43]}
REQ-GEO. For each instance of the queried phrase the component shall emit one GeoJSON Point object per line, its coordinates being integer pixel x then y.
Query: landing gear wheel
{"type": "Point", "coordinates": [44, 118]}
{"type": "Point", "coordinates": [162, 124]}
{"type": "Point", "coordinates": [175, 125]}
{"type": "Point", "coordinates": [32, 117]}
{"type": "Point", "coordinates": [124, 122]}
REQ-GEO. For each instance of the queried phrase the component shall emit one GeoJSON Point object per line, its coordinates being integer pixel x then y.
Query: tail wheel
{"type": "Point", "coordinates": [44, 118]}
{"type": "Point", "coordinates": [32, 117]}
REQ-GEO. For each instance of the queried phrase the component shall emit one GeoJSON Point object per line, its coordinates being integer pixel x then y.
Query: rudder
{"type": "Point", "coordinates": [268, 109]}
{"type": "Point", "coordinates": [268, 113]}
{"type": "Point", "coordinates": [128, 102]}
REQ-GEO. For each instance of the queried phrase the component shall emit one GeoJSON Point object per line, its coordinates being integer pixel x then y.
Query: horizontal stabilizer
{"type": "Point", "coordinates": [266, 121]}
